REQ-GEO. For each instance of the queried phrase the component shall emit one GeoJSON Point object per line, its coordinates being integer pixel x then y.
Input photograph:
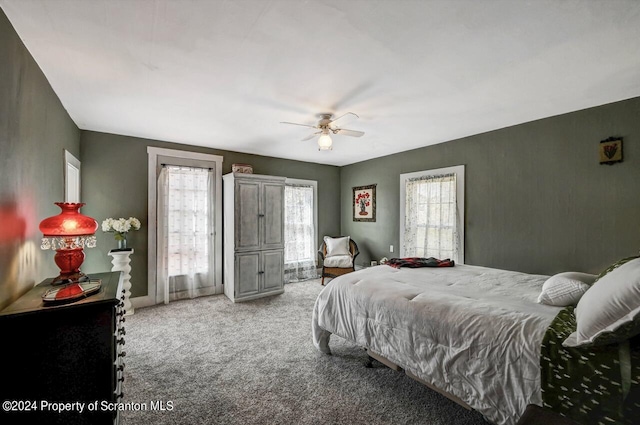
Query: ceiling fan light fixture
{"type": "Point", "coordinates": [325, 143]}
{"type": "Point", "coordinates": [326, 126]}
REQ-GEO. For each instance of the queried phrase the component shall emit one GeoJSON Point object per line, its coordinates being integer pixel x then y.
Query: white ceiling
{"type": "Point", "coordinates": [224, 74]}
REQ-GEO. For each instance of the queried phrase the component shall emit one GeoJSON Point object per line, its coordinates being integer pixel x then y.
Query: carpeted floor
{"type": "Point", "coordinates": [210, 361]}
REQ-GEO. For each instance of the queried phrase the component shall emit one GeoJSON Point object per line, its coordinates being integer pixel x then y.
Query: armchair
{"type": "Point", "coordinates": [338, 255]}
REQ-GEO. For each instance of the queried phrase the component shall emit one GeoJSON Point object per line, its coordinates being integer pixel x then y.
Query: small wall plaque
{"type": "Point", "coordinates": [611, 150]}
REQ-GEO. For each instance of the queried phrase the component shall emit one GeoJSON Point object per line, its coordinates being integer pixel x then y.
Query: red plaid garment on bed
{"type": "Point", "coordinates": [414, 262]}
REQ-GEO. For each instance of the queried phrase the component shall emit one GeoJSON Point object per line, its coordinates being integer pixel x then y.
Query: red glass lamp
{"type": "Point", "coordinates": [68, 233]}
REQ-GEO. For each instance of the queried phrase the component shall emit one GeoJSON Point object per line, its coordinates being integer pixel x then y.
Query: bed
{"type": "Point", "coordinates": [473, 333]}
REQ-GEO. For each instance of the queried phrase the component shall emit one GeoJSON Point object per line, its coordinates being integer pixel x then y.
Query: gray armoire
{"type": "Point", "coordinates": [253, 236]}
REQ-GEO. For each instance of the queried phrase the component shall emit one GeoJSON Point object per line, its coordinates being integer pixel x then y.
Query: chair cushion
{"type": "Point", "coordinates": [337, 246]}
{"type": "Point", "coordinates": [341, 261]}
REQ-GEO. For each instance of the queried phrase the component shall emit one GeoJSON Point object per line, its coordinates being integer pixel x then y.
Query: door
{"type": "Point", "coordinates": [273, 268]}
{"type": "Point", "coordinates": [159, 285]}
{"type": "Point", "coordinates": [247, 219]}
{"type": "Point", "coordinates": [272, 215]}
{"type": "Point", "coordinates": [185, 233]}
{"type": "Point", "coordinates": [248, 273]}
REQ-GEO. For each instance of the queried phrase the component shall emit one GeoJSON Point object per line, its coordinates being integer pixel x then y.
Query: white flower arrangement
{"type": "Point", "coordinates": [120, 226]}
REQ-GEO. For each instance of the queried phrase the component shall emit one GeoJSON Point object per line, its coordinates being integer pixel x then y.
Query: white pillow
{"type": "Point", "coordinates": [610, 310]}
{"type": "Point", "coordinates": [337, 246]}
{"type": "Point", "coordinates": [566, 288]}
{"type": "Point", "coordinates": [340, 261]}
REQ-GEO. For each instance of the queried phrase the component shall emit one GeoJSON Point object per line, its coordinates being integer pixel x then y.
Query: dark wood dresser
{"type": "Point", "coordinates": [64, 353]}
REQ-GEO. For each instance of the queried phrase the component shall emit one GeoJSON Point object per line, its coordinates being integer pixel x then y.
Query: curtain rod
{"type": "Point", "coordinates": [185, 166]}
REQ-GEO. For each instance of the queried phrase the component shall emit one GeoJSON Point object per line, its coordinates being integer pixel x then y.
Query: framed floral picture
{"type": "Point", "coordinates": [611, 150]}
{"type": "Point", "coordinates": [364, 203]}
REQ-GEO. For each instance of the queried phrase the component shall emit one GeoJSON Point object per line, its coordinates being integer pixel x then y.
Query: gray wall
{"type": "Point", "coordinates": [34, 131]}
{"type": "Point", "coordinates": [114, 173]}
{"type": "Point", "coordinates": [537, 199]}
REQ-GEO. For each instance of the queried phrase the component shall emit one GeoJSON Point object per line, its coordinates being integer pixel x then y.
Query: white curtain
{"type": "Point", "coordinates": [299, 232]}
{"type": "Point", "coordinates": [431, 217]}
{"type": "Point", "coordinates": [185, 229]}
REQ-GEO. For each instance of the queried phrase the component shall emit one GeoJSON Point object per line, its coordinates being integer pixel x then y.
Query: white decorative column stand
{"type": "Point", "coordinates": [121, 262]}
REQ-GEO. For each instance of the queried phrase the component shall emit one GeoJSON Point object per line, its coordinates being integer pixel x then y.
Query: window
{"type": "Point", "coordinates": [432, 214]}
{"type": "Point", "coordinates": [300, 230]}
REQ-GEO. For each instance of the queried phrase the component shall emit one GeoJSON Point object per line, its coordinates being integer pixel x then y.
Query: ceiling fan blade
{"type": "Point", "coordinates": [353, 133]}
{"type": "Point", "coordinates": [343, 120]}
{"type": "Point", "coordinates": [295, 123]}
{"type": "Point", "coordinates": [311, 136]}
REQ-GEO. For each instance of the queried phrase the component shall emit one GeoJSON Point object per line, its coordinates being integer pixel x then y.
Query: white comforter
{"type": "Point", "coordinates": [474, 332]}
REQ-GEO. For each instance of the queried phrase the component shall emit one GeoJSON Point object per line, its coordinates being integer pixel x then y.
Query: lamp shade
{"type": "Point", "coordinates": [68, 233]}
{"type": "Point", "coordinates": [70, 222]}
{"type": "Point", "coordinates": [324, 142]}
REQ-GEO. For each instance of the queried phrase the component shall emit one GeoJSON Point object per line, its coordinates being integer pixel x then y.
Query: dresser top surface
{"type": "Point", "coordinates": [32, 300]}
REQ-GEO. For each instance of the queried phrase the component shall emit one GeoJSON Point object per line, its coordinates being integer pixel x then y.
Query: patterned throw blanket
{"type": "Point", "coordinates": [588, 384]}
{"type": "Point", "coordinates": [414, 262]}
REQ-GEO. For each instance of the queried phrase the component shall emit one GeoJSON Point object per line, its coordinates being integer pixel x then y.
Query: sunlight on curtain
{"type": "Point", "coordinates": [299, 233]}
{"type": "Point", "coordinates": [431, 217]}
{"type": "Point", "coordinates": [185, 228]}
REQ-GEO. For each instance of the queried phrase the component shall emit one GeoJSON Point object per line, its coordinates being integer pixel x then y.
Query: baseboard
{"type": "Point", "coordinates": [140, 302]}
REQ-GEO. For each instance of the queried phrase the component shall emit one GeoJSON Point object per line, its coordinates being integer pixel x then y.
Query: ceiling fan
{"type": "Point", "coordinates": [327, 125]}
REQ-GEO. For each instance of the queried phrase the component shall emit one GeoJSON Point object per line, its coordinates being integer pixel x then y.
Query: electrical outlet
{"type": "Point", "coordinates": [390, 248]}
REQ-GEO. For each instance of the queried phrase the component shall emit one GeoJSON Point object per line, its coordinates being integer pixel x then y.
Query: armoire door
{"type": "Point", "coordinates": [248, 270]}
{"type": "Point", "coordinates": [272, 215]}
{"type": "Point", "coordinates": [273, 268]}
{"type": "Point", "coordinates": [247, 215]}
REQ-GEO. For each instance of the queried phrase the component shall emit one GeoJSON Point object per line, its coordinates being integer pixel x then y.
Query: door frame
{"type": "Point", "coordinates": [72, 180]}
{"type": "Point", "coordinates": [153, 165]}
